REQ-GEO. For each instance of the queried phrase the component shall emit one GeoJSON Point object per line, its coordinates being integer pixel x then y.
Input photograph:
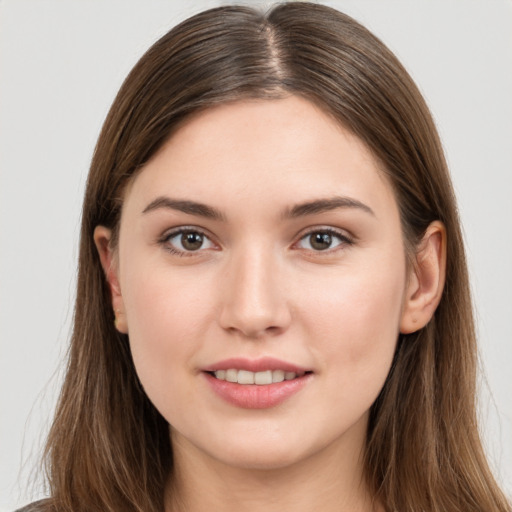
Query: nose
{"type": "Point", "coordinates": [254, 302]}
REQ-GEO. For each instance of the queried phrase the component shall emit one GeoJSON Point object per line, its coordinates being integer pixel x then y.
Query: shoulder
{"type": "Point", "coordinates": [36, 506]}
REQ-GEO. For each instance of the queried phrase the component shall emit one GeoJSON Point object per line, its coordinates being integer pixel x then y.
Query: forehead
{"type": "Point", "coordinates": [259, 151]}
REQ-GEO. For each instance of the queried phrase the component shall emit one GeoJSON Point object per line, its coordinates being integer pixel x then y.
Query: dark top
{"type": "Point", "coordinates": [36, 506]}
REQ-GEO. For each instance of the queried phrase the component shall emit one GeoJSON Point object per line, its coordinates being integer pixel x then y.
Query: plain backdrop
{"type": "Point", "coordinates": [61, 63]}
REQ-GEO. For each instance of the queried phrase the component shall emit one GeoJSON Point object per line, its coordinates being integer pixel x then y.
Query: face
{"type": "Point", "coordinates": [260, 275]}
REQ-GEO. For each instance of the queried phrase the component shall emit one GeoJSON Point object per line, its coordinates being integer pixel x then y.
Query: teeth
{"type": "Point", "coordinates": [231, 375]}
{"type": "Point", "coordinates": [262, 378]}
{"type": "Point", "coordinates": [245, 377]}
{"type": "Point", "coordinates": [277, 376]}
{"type": "Point", "coordinates": [220, 374]}
{"type": "Point", "coordinates": [258, 378]}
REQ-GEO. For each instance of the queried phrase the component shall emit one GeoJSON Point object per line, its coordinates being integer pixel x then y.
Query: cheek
{"type": "Point", "coordinates": [166, 323]}
{"type": "Point", "coordinates": [356, 323]}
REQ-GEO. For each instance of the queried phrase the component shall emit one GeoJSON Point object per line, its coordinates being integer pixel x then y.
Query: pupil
{"type": "Point", "coordinates": [192, 241]}
{"type": "Point", "coordinates": [320, 241]}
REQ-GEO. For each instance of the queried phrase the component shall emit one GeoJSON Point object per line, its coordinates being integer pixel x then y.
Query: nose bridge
{"type": "Point", "coordinates": [254, 302]}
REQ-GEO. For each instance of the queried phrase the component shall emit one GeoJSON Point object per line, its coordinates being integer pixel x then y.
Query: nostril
{"type": "Point", "coordinates": [252, 332]}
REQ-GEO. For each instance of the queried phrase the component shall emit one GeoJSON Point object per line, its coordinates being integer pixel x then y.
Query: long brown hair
{"type": "Point", "coordinates": [109, 448]}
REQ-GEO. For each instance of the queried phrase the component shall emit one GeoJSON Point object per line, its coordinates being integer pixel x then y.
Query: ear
{"type": "Point", "coordinates": [109, 262]}
{"type": "Point", "coordinates": [426, 280]}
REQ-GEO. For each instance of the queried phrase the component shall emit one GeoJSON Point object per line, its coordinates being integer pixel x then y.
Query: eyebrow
{"type": "Point", "coordinates": [190, 207]}
{"type": "Point", "coordinates": [325, 205]}
{"type": "Point", "coordinates": [299, 210]}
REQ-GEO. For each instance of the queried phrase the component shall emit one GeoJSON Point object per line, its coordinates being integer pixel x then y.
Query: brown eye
{"type": "Point", "coordinates": [185, 241]}
{"type": "Point", "coordinates": [323, 240]}
{"type": "Point", "coordinates": [192, 241]}
{"type": "Point", "coordinates": [320, 241]}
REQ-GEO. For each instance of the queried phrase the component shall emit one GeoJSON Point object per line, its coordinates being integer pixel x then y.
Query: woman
{"type": "Point", "coordinates": [273, 305]}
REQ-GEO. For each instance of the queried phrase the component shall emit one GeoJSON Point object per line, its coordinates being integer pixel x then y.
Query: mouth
{"type": "Point", "coordinates": [256, 384]}
{"type": "Point", "coordinates": [261, 378]}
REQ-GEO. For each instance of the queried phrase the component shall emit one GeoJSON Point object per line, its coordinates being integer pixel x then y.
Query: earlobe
{"type": "Point", "coordinates": [426, 281]}
{"type": "Point", "coordinates": [108, 258]}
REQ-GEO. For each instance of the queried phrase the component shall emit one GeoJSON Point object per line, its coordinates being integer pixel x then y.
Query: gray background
{"type": "Point", "coordinates": [61, 63]}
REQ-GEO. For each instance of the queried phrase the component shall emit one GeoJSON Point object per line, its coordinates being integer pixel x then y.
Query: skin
{"type": "Point", "coordinates": [258, 287]}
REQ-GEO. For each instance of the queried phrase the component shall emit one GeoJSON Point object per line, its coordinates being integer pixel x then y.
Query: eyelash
{"type": "Point", "coordinates": [344, 240]}
{"type": "Point", "coordinates": [165, 240]}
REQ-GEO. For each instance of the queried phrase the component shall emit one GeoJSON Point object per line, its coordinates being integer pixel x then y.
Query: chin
{"type": "Point", "coordinates": [262, 460]}
{"type": "Point", "coordinates": [246, 449]}
{"type": "Point", "coordinates": [270, 450]}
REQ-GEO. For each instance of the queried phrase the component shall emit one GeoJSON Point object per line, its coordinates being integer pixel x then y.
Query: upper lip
{"type": "Point", "coordinates": [255, 365]}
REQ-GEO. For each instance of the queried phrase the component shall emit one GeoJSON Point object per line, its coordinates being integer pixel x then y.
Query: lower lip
{"type": "Point", "coordinates": [253, 396]}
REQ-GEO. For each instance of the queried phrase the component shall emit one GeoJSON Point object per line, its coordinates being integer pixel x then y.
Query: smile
{"type": "Point", "coordinates": [262, 378]}
{"type": "Point", "coordinates": [256, 384]}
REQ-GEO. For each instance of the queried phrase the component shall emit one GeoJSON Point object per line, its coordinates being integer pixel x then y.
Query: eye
{"type": "Point", "coordinates": [186, 241]}
{"type": "Point", "coordinates": [323, 240]}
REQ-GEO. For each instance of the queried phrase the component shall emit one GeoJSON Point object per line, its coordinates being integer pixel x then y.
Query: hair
{"type": "Point", "coordinates": [109, 448]}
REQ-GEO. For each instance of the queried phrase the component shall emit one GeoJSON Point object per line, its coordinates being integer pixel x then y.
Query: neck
{"type": "Point", "coordinates": [331, 480]}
